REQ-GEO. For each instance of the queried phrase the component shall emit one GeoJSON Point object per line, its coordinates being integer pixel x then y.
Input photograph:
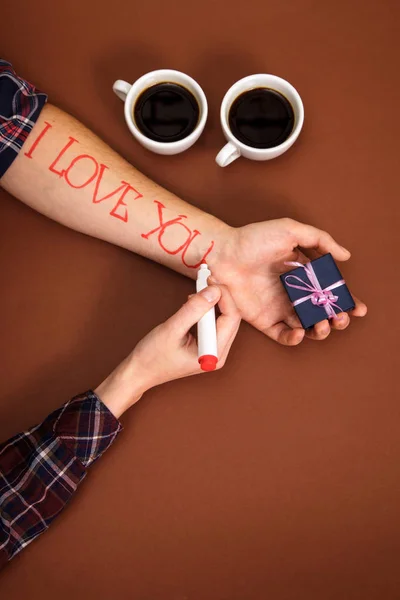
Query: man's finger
{"type": "Point", "coordinates": [320, 331]}
{"type": "Point", "coordinates": [341, 322]}
{"type": "Point", "coordinates": [195, 308]}
{"type": "Point", "coordinates": [293, 321]}
{"type": "Point", "coordinates": [285, 335]}
{"type": "Point", "coordinates": [360, 309]}
{"type": "Point", "coordinates": [317, 239]}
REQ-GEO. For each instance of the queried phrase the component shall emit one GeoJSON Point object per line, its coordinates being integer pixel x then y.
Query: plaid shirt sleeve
{"type": "Point", "coordinates": [20, 107]}
{"type": "Point", "coordinates": [40, 469]}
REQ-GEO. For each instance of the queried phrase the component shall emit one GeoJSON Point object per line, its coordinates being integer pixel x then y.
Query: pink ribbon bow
{"type": "Point", "coordinates": [318, 296]}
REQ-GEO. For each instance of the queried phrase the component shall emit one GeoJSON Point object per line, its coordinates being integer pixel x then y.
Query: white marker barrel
{"type": "Point", "coordinates": [206, 328]}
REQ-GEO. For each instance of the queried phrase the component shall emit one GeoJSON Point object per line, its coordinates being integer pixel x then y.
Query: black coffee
{"type": "Point", "coordinates": [166, 112]}
{"type": "Point", "coordinates": [261, 118]}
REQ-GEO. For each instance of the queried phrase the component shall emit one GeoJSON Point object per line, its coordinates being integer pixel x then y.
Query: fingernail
{"type": "Point", "coordinates": [190, 296]}
{"type": "Point", "coordinates": [210, 293]}
{"type": "Point", "coordinates": [345, 249]}
{"type": "Point", "coordinates": [326, 329]}
{"type": "Point", "coordinates": [212, 279]}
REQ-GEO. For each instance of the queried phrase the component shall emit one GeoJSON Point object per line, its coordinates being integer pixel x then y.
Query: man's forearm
{"type": "Point", "coordinates": [67, 173]}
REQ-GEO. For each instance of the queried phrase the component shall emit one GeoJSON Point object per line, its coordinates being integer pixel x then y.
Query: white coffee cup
{"type": "Point", "coordinates": [235, 148]}
{"type": "Point", "coordinates": [130, 93]}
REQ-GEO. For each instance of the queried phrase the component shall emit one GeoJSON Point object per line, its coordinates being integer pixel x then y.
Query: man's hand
{"type": "Point", "coordinates": [249, 263]}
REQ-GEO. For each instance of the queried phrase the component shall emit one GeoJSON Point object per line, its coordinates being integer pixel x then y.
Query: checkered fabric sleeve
{"type": "Point", "coordinates": [20, 107]}
{"type": "Point", "coordinates": [41, 469]}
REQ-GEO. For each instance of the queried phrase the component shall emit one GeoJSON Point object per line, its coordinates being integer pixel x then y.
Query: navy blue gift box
{"type": "Point", "coordinates": [323, 292]}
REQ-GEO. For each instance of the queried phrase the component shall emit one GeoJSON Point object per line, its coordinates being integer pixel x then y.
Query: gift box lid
{"type": "Point", "coordinates": [327, 273]}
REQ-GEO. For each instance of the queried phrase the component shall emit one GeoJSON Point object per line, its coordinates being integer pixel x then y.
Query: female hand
{"type": "Point", "coordinates": [170, 351]}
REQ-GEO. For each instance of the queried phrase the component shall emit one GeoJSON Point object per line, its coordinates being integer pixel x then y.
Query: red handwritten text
{"type": "Point", "coordinates": [84, 170]}
{"type": "Point", "coordinates": [39, 138]}
{"type": "Point", "coordinates": [182, 247]}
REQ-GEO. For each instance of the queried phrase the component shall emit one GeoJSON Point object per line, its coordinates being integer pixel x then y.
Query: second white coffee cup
{"type": "Point", "coordinates": [129, 94]}
{"type": "Point", "coordinates": [235, 148]}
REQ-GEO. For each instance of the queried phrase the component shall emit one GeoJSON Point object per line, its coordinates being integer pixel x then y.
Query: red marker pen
{"type": "Point", "coordinates": [206, 328]}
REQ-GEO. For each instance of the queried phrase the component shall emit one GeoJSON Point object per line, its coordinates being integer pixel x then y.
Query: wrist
{"type": "Point", "coordinates": [122, 388]}
{"type": "Point", "coordinates": [223, 236]}
{"type": "Point", "coordinates": [223, 263]}
{"type": "Point", "coordinates": [213, 236]}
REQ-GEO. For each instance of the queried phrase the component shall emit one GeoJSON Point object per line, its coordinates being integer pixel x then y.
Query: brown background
{"type": "Point", "coordinates": [279, 476]}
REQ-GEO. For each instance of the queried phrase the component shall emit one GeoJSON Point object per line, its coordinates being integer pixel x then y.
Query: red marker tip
{"type": "Point", "coordinates": [208, 362]}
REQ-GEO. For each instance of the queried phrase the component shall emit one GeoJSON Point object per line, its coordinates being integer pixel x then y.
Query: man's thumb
{"type": "Point", "coordinates": [195, 308]}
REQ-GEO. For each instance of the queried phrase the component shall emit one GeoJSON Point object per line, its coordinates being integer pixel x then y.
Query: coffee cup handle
{"type": "Point", "coordinates": [227, 155]}
{"type": "Point", "coordinates": [121, 88]}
